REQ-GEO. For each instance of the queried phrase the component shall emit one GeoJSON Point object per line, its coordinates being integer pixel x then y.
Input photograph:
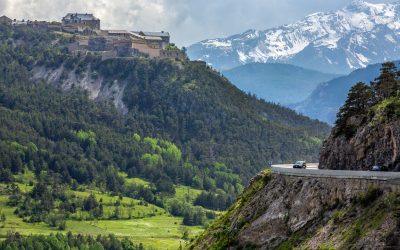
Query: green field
{"type": "Point", "coordinates": [151, 225]}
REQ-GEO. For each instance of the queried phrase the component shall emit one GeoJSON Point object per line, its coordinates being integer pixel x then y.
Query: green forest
{"type": "Point", "coordinates": [187, 146]}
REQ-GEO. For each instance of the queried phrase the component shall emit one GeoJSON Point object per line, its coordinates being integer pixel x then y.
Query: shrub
{"type": "Point", "coordinates": [337, 217]}
{"type": "Point", "coordinates": [369, 196]}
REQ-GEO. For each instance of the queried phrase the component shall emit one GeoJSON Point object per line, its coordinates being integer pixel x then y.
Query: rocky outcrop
{"type": "Point", "coordinates": [372, 144]}
{"type": "Point", "coordinates": [279, 211]}
{"type": "Point", "coordinates": [95, 85]}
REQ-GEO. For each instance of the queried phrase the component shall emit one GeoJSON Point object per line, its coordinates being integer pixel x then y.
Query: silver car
{"type": "Point", "coordinates": [300, 164]}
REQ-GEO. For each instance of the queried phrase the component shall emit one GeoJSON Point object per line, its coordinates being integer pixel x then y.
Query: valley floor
{"type": "Point", "coordinates": [150, 225]}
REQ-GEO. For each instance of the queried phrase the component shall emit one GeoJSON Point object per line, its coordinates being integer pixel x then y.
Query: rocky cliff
{"type": "Point", "coordinates": [96, 87]}
{"type": "Point", "coordinates": [372, 144]}
{"type": "Point", "coordinates": [366, 131]}
{"type": "Point", "coordinates": [283, 212]}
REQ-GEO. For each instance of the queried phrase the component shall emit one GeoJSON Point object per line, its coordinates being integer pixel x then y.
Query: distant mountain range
{"type": "Point", "coordinates": [327, 98]}
{"type": "Point", "coordinates": [276, 82]}
{"type": "Point", "coordinates": [336, 42]}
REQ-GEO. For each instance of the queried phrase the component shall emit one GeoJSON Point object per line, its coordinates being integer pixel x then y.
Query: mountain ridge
{"type": "Point", "coordinates": [334, 42]}
{"type": "Point", "coordinates": [324, 102]}
{"type": "Point", "coordinates": [277, 82]}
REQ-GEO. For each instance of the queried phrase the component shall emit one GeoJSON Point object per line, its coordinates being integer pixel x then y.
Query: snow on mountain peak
{"type": "Point", "coordinates": [357, 5]}
{"type": "Point", "coordinates": [340, 41]}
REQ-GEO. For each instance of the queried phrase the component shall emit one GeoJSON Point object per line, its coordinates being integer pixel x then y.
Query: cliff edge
{"type": "Point", "coordinates": [283, 212]}
{"type": "Point", "coordinates": [367, 130]}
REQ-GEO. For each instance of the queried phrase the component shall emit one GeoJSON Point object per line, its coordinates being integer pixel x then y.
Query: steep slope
{"type": "Point", "coordinates": [337, 42]}
{"type": "Point", "coordinates": [289, 212]}
{"type": "Point", "coordinates": [275, 82]}
{"type": "Point", "coordinates": [188, 104]}
{"type": "Point", "coordinates": [325, 101]}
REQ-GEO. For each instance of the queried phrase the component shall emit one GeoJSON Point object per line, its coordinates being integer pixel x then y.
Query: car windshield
{"type": "Point", "coordinates": [299, 162]}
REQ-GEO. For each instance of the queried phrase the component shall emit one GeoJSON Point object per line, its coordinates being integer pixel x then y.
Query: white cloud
{"type": "Point", "coordinates": [188, 20]}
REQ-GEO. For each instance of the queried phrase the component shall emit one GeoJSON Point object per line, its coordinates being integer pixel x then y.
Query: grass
{"type": "Point", "coordinates": [136, 181]}
{"type": "Point", "coordinates": [150, 225]}
{"type": "Point", "coordinates": [161, 231]}
{"type": "Point", "coordinates": [28, 177]}
{"type": "Point", "coordinates": [183, 193]}
{"type": "Point", "coordinates": [370, 220]}
{"type": "Point", "coordinates": [294, 240]}
{"type": "Point", "coordinates": [186, 193]}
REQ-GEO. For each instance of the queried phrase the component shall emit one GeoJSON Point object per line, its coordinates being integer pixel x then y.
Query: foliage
{"type": "Point", "coordinates": [208, 119]}
{"type": "Point", "coordinates": [359, 99]}
{"type": "Point", "coordinates": [387, 110]}
{"type": "Point", "coordinates": [213, 201]}
{"type": "Point", "coordinates": [69, 241]}
{"type": "Point", "coordinates": [91, 205]}
{"type": "Point", "coordinates": [191, 215]}
{"type": "Point", "coordinates": [387, 83]}
{"type": "Point", "coordinates": [364, 103]}
{"type": "Point", "coordinates": [369, 196]}
{"type": "Point", "coordinates": [88, 138]}
{"type": "Point", "coordinates": [189, 123]}
{"type": "Point", "coordinates": [185, 125]}
{"type": "Point", "coordinates": [337, 216]}
{"type": "Point", "coordinates": [171, 46]}
{"type": "Point", "coordinates": [294, 240]}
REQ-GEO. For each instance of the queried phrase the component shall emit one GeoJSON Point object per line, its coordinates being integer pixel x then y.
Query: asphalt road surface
{"type": "Point", "coordinates": [313, 171]}
{"type": "Point", "coordinates": [313, 166]}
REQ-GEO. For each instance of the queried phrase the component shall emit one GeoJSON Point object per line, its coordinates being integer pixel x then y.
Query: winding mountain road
{"type": "Point", "coordinates": [313, 171]}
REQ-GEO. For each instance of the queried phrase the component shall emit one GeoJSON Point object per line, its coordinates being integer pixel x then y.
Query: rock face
{"type": "Point", "coordinates": [96, 87]}
{"type": "Point", "coordinates": [370, 145]}
{"type": "Point", "coordinates": [278, 211]}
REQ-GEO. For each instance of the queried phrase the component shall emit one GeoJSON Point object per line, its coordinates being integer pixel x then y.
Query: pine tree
{"type": "Point", "coordinates": [387, 84]}
{"type": "Point", "coordinates": [3, 219]}
{"type": "Point", "coordinates": [359, 99]}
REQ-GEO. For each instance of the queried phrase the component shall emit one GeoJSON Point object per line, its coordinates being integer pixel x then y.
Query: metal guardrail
{"type": "Point", "coordinates": [339, 174]}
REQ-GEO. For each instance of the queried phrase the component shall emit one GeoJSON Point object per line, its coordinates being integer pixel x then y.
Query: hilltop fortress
{"type": "Point", "coordinates": [88, 37]}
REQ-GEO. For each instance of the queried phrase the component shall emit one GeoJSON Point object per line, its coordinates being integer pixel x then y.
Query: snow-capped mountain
{"type": "Point", "coordinates": [337, 42]}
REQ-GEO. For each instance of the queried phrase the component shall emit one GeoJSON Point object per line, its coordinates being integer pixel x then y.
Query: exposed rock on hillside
{"type": "Point", "coordinates": [95, 87]}
{"type": "Point", "coordinates": [283, 212]}
{"type": "Point", "coordinates": [371, 145]}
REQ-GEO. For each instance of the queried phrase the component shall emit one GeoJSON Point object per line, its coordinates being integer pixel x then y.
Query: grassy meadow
{"type": "Point", "coordinates": [139, 221]}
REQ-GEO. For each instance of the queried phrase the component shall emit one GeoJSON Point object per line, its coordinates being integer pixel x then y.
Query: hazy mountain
{"type": "Point", "coordinates": [276, 82]}
{"type": "Point", "coordinates": [338, 42]}
{"type": "Point", "coordinates": [327, 98]}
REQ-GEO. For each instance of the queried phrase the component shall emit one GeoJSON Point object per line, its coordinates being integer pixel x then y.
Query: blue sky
{"type": "Point", "coordinates": [188, 21]}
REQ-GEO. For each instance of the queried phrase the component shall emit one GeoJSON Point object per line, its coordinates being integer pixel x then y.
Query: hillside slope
{"type": "Point", "coordinates": [275, 82]}
{"type": "Point", "coordinates": [98, 146]}
{"type": "Point", "coordinates": [188, 104]}
{"type": "Point", "coordinates": [338, 42]}
{"type": "Point", "coordinates": [289, 212]}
